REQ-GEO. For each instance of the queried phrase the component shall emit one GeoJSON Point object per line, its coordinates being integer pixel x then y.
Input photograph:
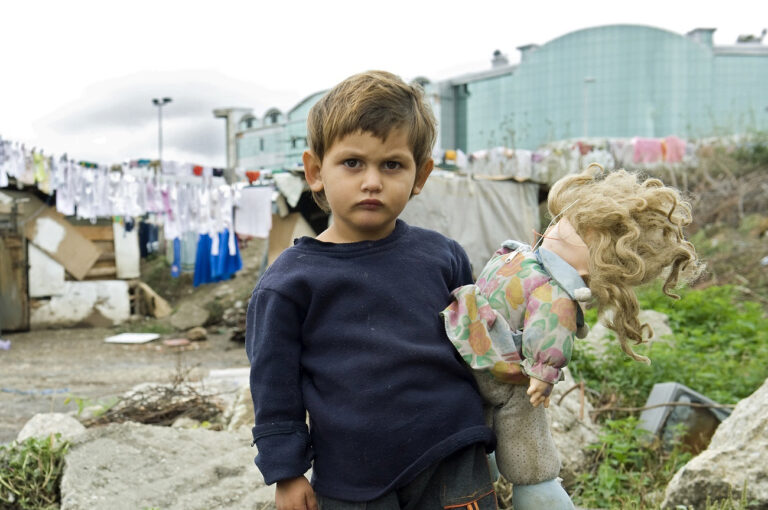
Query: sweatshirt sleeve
{"type": "Point", "coordinates": [462, 274]}
{"type": "Point", "coordinates": [273, 345]}
{"type": "Point", "coordinates": [548, 334]}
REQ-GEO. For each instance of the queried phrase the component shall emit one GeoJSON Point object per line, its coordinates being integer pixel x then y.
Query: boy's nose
{"type": "Point", "coordinates": [371, 181]}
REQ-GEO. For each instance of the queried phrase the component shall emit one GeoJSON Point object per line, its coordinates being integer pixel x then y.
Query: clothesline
{"type": "Point", "coordinates": [550, 162]}
{"type": "Point", "coordinates": [193, 203]}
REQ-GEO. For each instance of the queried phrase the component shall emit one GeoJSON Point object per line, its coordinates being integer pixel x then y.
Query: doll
{"type": "Point", "coordinates": [515, 326]}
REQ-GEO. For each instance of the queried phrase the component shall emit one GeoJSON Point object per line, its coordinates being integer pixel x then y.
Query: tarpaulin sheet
{"type": "Point", "coordinates": [479, 214]}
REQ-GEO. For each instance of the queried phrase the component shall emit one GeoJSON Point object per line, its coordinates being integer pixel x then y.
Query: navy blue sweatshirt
{"type": "Point", "coordinates": [351, 334]}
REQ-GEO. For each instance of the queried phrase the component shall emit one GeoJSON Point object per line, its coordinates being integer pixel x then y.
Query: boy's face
{"type": "Point", "coordinates": [367, 183]}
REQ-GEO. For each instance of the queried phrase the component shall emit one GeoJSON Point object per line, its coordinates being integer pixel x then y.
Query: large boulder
{"type": "Point", "coordinates": [44, 424]}
{"type": "Point", "coordinates": [130, 466]}
{"type": "Point", "coordinates": [736, 457]}
{"type": "Point", "coordinates": [188, 316]}
{"type": "Point", "coordinates": [572, 427]}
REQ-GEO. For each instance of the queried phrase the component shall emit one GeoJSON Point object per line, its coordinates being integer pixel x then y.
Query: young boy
{"type": "Point", "coordinates": [346, 327]}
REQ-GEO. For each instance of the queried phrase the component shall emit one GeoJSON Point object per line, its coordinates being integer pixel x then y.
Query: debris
{"type": "Point", "coordinates": [5, 345]}
{"type": "Point", "coordinates": [176, 342]}
{"type": "Point", "coordinates": [159, 404]}
{"type": "Point", "coordinates": [197, 334]}
{"type": "Point", "coordinates": [132, 338]}
{"type": "Point", "coordinates": [149, 302]}
{"type": "Point", "coordinates": [672, 403]}
{"type": "Point", "coordinates": [46, 391]}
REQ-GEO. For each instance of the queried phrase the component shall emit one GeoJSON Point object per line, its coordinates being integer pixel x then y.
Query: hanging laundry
{"type": "Point", "coordinates": [675, 149]}
{"type": "Point", "coordinates": [253, 216]}
{"type": "Point", "coordinates": [647, 150]}
{"type": "Point", "coordinates": [585, 148]}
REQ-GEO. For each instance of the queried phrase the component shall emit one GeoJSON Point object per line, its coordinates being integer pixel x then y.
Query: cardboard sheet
{"type": "Point", "coordinates": [55, 236]}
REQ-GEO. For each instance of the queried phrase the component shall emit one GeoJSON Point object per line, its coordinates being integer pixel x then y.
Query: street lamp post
{"type": "Point", "coordinates": [160, 103]}
{"type": "Point", "coordinates": [585, 106]}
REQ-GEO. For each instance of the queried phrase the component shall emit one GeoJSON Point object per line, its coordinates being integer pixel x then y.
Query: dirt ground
{"type": "Point", "coordinates": [43, 368]}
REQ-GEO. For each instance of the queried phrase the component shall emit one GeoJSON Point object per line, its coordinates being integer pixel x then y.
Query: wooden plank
{"type": "Point", "coordinates": [108, 256]}
{"type": "Point", "coordinates": [96, 232]}
{"type": "Point", "coordinates": [101, 272]}
{"type": "Point", "coordinates": [51, 232]}
{"type": "Point", "coordinates": [14, 296]}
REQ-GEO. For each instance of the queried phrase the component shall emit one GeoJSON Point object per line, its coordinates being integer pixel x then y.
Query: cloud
{"type": "Point", "coordinates": [116, 120]}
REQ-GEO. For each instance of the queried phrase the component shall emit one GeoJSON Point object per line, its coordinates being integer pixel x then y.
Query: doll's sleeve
{"type": "Point", "coordinates": [550, 327]}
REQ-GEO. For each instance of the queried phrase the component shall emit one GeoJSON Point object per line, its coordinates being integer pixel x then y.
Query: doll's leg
{"type": "Point", "coordinates": [549, 495]}
{"type": "Point", "coordinates": [525, 451]}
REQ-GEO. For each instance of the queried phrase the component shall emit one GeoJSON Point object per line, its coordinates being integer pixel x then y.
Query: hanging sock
{"type": "Point", "coordinates": [176, 266]}
{"type": "Point", "coordinates": [233, 261]}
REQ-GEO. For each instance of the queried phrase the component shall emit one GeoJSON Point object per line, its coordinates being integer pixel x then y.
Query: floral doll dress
{"type": "Point", "coordinates": [517, 321]}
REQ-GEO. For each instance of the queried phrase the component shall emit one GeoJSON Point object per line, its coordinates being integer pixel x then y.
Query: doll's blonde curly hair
{"type": "Point", "coordinates": [634, 231]}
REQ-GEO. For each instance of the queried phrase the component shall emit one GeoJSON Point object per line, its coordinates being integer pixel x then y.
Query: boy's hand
{"type": "Point", "coordinates": [295, 494]}
{"type": "Point", "coordinates": [539, 392]}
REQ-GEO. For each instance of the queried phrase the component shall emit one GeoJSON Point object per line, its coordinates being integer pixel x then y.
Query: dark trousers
{"type": "Point", "coordinates": [461, 481]}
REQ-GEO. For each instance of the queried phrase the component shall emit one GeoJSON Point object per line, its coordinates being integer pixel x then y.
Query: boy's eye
{"type": "Point", "coordinates": [351, 163]}
{"type": "Point", "coordinates": [392, 165]}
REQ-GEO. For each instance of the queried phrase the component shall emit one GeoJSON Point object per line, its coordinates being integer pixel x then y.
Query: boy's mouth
{"type": "Point", "coordinates": [370, 203]}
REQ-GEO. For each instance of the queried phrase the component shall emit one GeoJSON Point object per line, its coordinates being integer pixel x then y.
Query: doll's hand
{"type": "Point", "coordinates": [539, 392]}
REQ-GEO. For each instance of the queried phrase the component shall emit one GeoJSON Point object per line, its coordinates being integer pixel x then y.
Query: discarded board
{"type": "Point", "coordinates": [132, 338]}
{"type": "Point", "coordinates": [53, 234]}
{"type": "Point", "coordinates": [148, 302]}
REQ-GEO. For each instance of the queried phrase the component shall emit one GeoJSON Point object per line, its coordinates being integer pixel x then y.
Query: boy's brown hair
{"type": "Point", "coordinates": [373, 102]}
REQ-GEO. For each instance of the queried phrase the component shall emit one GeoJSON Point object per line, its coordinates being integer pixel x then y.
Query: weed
{"type": "Point", "coordinates": [30, 473]}
{"type": "Point", "coordinates": [102, 406]}
{"type": "Point", "coordinates": [719, 347]}
{"type": "Point", "coordinates": [714, 337]}
{"type": "Point", "coordinates": [628, 470]}
{"type": "Point", "coordinates": [146, 327]}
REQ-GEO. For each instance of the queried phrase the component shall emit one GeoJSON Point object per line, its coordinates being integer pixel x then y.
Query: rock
{"type": "Point", "coordinates": [735, 458]}
{"type": "Point", "coordinates": [44, 424]}
{"type": "Point", "coordinates": [129, 465]}
{"type": "Point", "coordinates": [184, 422]}
{"type": "Point", "coordinates": [240, 415]}
{"type": "Point", "coordinates": [571, 433]}
{"type": "Point", "coordinates": [601, 338]}
{"type": "Point", "coordinates": [197, 334]}
{"type": "Point", "coordinates": [188, 316]}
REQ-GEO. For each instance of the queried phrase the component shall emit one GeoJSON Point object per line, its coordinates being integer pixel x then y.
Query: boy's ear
{"type": "Point", "coordinates": [422, 177]}
{"type": "Point", "coordinates": [312, 166]}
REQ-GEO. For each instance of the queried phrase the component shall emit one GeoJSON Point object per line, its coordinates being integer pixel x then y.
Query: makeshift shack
{"type": "Point", "coordinates": [57, 268]}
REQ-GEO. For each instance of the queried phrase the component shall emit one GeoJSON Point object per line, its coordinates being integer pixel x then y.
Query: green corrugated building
{"type": "Point", "coordinates": [616, 81]}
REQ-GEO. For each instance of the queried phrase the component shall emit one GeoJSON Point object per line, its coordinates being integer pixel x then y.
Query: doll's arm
{"type": "Point", "coordinates": [548, 333]}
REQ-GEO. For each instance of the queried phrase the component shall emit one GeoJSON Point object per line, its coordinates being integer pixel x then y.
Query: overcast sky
{"type": "Point", "coordinates": [79, 76]}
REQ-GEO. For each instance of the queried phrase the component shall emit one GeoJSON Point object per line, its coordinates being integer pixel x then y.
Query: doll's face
{"type": "Point", "coordinates": [562, 239]}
